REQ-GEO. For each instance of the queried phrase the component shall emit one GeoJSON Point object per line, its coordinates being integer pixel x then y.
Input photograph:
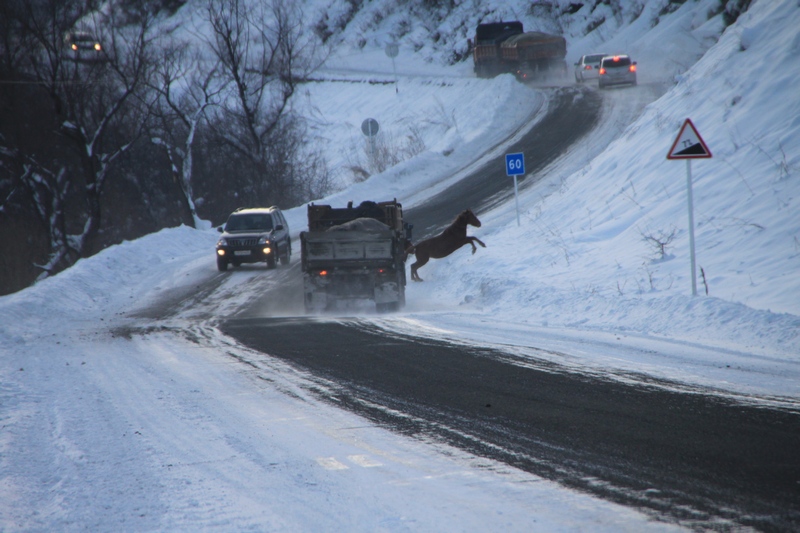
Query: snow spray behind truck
{"type": "Point", "coordinates": [354, 253]}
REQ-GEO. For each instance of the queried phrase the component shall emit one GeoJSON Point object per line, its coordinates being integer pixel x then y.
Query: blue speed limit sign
{"type": "Point", "coordinates": [515, 164]}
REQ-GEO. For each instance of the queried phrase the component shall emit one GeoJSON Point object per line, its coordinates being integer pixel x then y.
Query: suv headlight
{"type": "Point", "coordinates": [222, 242]}
{"type": "Point", "coordinates": [263, 240]}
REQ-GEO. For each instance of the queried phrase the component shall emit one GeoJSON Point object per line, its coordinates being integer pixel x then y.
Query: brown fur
{"type": "Point", "coordinates": [447, 242]}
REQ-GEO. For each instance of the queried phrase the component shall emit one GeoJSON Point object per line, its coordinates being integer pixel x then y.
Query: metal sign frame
{"type": "Point", "coordinates": [689, 144]}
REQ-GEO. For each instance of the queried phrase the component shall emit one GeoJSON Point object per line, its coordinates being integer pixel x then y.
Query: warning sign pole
{"type": "Point", "coordinates": [691, 224]}
{"type": "Point", "coordinates": [689, 145]}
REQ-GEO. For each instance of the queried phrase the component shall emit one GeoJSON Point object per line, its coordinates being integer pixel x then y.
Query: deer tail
{"type": "Point", "coordinates": [411, 248]}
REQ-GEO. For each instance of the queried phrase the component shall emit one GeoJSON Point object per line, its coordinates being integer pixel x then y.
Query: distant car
{"type": "Point", "coordinates": [83, 46]}
{"type": "Point", "coordinates": [254, 235]}
{"type": "Point", "coordinates": [616, 70]}
{"type": "Point", "coordinates": [587, 67]}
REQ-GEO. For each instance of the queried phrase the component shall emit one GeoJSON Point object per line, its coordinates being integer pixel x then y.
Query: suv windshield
{"type": "Point", "coordinates": [249, 223]}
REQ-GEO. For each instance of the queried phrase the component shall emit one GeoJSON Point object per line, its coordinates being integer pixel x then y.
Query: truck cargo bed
{"type": "Point", "coordinates": [347, 246]}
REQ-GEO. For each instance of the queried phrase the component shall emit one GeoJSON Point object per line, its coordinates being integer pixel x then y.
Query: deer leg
{"type": "Point", "coordinates": [472, 242]}
{"type": "Point", "coordinates": [416, 265]}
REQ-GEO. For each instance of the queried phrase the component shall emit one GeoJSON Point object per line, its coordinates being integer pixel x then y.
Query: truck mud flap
{"type": "Point", "coordinates": [387, 292]}
{"type": "Point", "coordinates": [316, 302]}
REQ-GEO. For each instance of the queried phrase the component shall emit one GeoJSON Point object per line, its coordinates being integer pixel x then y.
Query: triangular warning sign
{"type": "Point", "coordinates": [688, 144]}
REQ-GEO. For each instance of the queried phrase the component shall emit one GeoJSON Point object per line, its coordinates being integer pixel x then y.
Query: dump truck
{"type": "Point", "coordinates": [487, 61]}
{"type": "Point", "coordinates": [354, 254]}
{"type": "Point", "coordinates": [533, 54]}
{"type": "Point", "coordinates": [503, 47]}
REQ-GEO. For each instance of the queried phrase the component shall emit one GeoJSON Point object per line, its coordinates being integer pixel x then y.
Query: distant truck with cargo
{"type": "Point", "coordinates": [504, 47]}
{"type": "Point", "coordinates": [354, 253]}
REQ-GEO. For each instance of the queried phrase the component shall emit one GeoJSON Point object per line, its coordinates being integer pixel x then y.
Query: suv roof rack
{"type": "Point", "coordinates": [264, 208]}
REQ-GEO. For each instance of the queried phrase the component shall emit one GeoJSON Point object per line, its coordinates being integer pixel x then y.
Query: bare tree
{"type": "Point", "coordinates": [99, 102]}
{"type": "Point", "coordinates": [187, 87]}
{"type": "Point", "coordinates": [264, 52]}
{"type": "Point", "coordinates": [48, 190]}
{"type": "Point", "coordinates": [660, 240]}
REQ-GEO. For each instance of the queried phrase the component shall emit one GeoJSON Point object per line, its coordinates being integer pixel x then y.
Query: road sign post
{"type": "Point", "coordinates": [392, 49]}
{"type": "Point", "coordinates": [515, 166]}
{"type": "Point", "coordinates": [370, 129]}
{"type": "Point", "coordinates": [690, 200]}
{"type": "Point", "coordinates": [689, 145]}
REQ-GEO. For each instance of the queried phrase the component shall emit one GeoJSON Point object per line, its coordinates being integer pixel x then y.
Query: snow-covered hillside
{"type": "Point", "coordinates": [166, 430]}
{"type": "Point", "coordinates": [587, 252]}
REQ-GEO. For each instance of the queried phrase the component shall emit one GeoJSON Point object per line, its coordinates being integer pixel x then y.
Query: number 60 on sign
{"type": "Point", "coordinates": [515, 164]}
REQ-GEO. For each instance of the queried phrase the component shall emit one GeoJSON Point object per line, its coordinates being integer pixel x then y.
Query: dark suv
{"type": "Point", "coordinates": [253, 235]}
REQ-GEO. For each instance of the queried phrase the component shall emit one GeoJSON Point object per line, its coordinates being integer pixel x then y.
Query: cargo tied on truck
{"type": "Point", "coordinates": [354, 253]}
{"type": "Point", "coordinates": [503, 47]}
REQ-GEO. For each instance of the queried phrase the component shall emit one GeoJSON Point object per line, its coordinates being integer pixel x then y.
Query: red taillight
{"type": "Point", "coordinates": [633, 68]}
{"type": "Point", "coordinates": [601, 71]}
{"type": "Point", "coordinates": [616, 58]}
{"type": "Point", "coordinates": [323, 272]}
{"type": "Point", "coordinates": [587, 67]}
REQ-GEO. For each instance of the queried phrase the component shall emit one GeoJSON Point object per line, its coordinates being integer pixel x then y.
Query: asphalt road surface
{"type": "Point", "coordinates": [702, 460]}
{"type": "Point", "coordinates": [573, 112]}
{"type": "Point", "coordinates": [689, 456]}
